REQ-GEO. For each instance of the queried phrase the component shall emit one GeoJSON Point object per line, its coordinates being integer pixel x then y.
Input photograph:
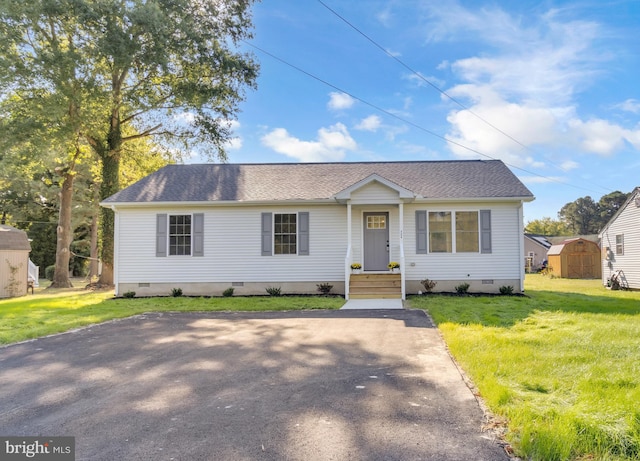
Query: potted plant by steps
{"type": "Point", "coordinates": [356, 268]}
{"type": "Point", "coordinates": [394, 266]}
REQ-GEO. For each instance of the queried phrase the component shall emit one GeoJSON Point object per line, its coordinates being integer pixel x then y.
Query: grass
{"type": "Point", "coordinates": [561, 367]}
{"type": "Point", "coordinates": [54, 311]}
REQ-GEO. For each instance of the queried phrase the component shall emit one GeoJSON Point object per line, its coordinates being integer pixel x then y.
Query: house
{"type": "Point", "coordinates": [14, 262]}
{"type": "Point", "coordinates": [535, 251]}
{"type": "Point", "coordinates": [620, 240]}
{"type": "Point", "coordinates": [205, 228]}
{"type": "Point", "coordinates": [575, 258]}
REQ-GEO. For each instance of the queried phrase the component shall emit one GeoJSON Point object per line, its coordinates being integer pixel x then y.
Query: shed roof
{"type": "Point", "coordinates": [317, 181]}
{"type": "Point", "coordinates": [557, 249]}
{"type": "Point", "coordinates": [13, 239]}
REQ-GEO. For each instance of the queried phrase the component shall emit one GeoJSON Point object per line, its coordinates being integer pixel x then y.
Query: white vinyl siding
{"type": "Point", "coordinates": [504, 262]}
{"type": "Point", "coordinates": [374, 193]}
{"type": "Point", "coordinates": [232, 259]}
{"type": "Point", "coordinates": [627, 225]}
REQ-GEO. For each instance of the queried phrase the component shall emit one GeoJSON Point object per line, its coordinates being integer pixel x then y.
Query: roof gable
{"type": "Point", "coordinates": [634, 197]}
{"type": "Point", "coordinates": [448, 180]}
{"type": "Point", "coordinates": [345, 194]}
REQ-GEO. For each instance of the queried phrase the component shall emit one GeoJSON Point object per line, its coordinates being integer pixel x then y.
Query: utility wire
{"type": "Point", "coordinates": [408, 122]}
{"type": "Point", "coordinates": [441, 91]}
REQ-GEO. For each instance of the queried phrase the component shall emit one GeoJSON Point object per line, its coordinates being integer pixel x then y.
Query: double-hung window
{"type": "Point", "coordinates": [285, 234]}
{"type": "Point", "coordinates": [440, 232]}
{"type": "Point", "coordinates": [620, 244]}
{"type": "Point", "coordinates": [179, 235]}
{"type": "Point", "coordinates": [467, 236]}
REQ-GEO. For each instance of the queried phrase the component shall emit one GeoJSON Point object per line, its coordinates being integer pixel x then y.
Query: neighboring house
{"type": "Point", "coordinates": [535, 251]}
{"type": "Point", "coordinates": [575, 258]}
{"type": "Point", "coordinates": [14, 262]}
{"type": "Point", "coordinates": [205, 228]}
{"type": "Point", "coordinates": [620, 240]}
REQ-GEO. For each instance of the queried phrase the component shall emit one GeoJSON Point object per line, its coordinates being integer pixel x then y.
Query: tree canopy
{"type": "Point", "coordinates": [116, 72]}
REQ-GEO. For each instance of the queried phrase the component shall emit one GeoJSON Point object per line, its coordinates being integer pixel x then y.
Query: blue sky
{"type": "Point", "coordinates": [552, 88]}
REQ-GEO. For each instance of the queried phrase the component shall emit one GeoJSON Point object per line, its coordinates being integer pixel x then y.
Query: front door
{"type": "Point", "coordinates": [376, 241]}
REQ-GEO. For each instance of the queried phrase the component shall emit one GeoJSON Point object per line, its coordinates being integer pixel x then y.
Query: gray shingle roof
{"type": "Point", "coordinates": [316, 181]}
{"type": "Point", "coordinates": [13, 239]}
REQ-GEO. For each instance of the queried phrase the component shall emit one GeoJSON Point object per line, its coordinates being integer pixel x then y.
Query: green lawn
{"type": "Point", "coordinates": [48, 312]}
{"type": "Point", "coordinates": [561, 367]}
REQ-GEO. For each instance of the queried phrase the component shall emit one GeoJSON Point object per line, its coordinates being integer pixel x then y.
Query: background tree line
{"type": "Point", "coordinates": [583, 216]}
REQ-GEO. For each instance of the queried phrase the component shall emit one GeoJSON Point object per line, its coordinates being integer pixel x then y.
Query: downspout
{"type": "Point", "coordinates": [521, 244]}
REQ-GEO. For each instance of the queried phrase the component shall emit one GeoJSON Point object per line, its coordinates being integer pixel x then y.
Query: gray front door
{"type": "Point", "coordinates": [376, 241]}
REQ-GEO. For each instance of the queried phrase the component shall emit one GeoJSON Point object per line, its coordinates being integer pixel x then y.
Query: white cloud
{"type": "Point", "coordinates": [526, 83]}
{"type": "Point", "coordinates": [235, 143]}
{"type": "Point", "coordinates": [340, 101]}
{"type": "Point", "coordinates": [419, 80]}
{"type": "Point", "coordinates": [186, 118]}
{"type": "Point", "coordinates": [630, 105]}
{"type": "Point", "coordinates": [331, 145]}
{"type": "Point", "coordinates": [569, 165]}
{"type": "Point", "coordinates": [370, 123]}
{"type": "Point", "coordinates": [540, 179]}
{"type": "Point", "coordinates": [602, 137]}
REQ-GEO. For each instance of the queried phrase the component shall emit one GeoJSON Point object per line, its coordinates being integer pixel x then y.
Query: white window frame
{"type": "Point", "coordinates": [273, 233]}
{"type": "Point", "coordinates": [454, 234]}
{"type": "Point", "coordinates": [169, 246]}
{"type": "Point", "coordinates": [620, 244]}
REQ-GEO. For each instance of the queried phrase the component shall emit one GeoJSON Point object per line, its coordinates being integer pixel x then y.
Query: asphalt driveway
{"type": "Point", "coordinates": [313, 385]}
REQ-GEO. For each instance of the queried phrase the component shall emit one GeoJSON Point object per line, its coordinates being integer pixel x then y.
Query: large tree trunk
{"type": "Point", "coordinates": [110, 184]}
{"type": "Point", "coordinates": [64, 234]}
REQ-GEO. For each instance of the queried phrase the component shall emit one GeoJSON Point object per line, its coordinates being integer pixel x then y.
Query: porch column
{"type": "Point", "coordinates": [349, 225]}
{"type": "Point", "coordinates": [349, 257]}
{"type": "Point", "coordinates": [403, 266]}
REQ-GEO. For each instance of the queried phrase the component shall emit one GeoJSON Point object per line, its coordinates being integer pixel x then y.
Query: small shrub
{"type": "Point", "coordinates": [462, 289]}
{"type": "Point", "coordinates": [228, 292]}
{"type": "Point", "coordinates": [274, 291]}
{"type": "Point", "coordinates": [49, 271]}
{"type": "Point", "coordinates": [428, 284]}
{"type": "Point", "coordinates": [324, 288]}
{"type": "Point", "coordinates": [129, 294]}
{"type": "Point", "coordinates": [176, 292]}
{"type": "Point", "coordinates": [506, 290]}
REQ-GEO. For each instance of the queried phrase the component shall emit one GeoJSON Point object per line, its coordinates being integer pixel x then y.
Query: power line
{"type": "Point", "coordinates": [405, 121]}
{"type": "Point", "coordinates": [441, 91]}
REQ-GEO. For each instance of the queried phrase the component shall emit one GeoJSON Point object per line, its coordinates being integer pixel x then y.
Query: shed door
{"type": "Point", "coordinates": [376, 241]}
{"type": "Point", "coordinates": [581, 266]}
